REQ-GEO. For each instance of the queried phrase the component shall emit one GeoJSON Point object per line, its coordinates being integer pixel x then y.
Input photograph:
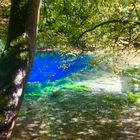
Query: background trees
{"type": "Point", "coordinates": [82, 23]}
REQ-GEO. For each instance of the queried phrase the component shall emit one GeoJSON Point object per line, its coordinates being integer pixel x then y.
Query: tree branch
{"type": "Point", "coordinates": [107, 22]}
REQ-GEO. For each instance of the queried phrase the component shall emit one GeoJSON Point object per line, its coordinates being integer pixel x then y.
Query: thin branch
{"type": "Point", "coordinates": [107, 22]}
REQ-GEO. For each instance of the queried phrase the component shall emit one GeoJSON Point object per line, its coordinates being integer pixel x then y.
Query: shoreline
{"type": "Point", "coordinates": [43, 50]}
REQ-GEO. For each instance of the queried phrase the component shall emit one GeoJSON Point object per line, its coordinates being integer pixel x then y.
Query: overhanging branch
{"type": "Point", "coordinates": [108, 22]}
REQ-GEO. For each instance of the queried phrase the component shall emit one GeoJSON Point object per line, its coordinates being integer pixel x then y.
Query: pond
{"type": "Point", "coordinates": [54, 66]}
{"type": "Point", "coordinates": [55, 70]}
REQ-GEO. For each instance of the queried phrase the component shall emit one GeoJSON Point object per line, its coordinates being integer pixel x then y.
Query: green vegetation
{"type": "Point", "coordinates": [4, 18]}
{"type": "Point", "coordinates": [115, 100]}
{"type": "Point", "coordinates": [109, 28]}
{"type": "Point", "coordinates": [37, 88]}
{"type": "Point", "coordinates": [77, 88]}
{"type": "Point", "coordinates": [129, 99]}
{"type": "Point", "coordinates": [134, 98]}
{"type": "Point", "coordinates": [86, 23]}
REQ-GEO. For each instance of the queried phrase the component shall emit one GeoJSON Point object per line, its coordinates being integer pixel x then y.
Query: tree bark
{"type": "Point", "coordinates": [16, 60]}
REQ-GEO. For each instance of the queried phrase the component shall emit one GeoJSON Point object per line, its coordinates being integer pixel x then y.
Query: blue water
{"type": "Point", "coordinates": [53, 66]}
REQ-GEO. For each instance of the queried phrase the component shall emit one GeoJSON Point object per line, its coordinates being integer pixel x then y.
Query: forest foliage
{"type": "Point", "coordinates": [84, 24]}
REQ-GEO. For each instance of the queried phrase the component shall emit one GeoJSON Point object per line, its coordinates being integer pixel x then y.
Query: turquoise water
{"type": "Point", "coordinates": [54, 70]}
{"type": "Point", "coordinates": [53, 66]}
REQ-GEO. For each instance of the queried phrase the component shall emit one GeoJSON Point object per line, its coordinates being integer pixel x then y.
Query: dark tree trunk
{"type": "Point", "coordinates": [16, 61]}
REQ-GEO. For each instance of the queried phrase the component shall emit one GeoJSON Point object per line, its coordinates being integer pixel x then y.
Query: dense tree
{"type": "Point", "coordinates": [82, 23]}
{"type": "Point", "coordinates": [16, 60]}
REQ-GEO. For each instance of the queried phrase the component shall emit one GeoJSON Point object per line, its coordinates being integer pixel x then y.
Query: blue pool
{"type": "Point", "coordinates": [52, 66]}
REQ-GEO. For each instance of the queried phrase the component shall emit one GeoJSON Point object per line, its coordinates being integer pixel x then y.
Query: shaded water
{"type": "Point", "coordinates": [62, 103]}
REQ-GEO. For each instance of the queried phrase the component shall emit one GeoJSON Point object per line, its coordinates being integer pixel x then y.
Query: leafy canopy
{"type": "Point", "coordinates": [69, 24]}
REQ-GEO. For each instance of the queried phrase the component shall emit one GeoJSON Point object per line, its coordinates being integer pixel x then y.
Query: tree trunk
{"type": "Point", "coordinates": [16, 61]}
